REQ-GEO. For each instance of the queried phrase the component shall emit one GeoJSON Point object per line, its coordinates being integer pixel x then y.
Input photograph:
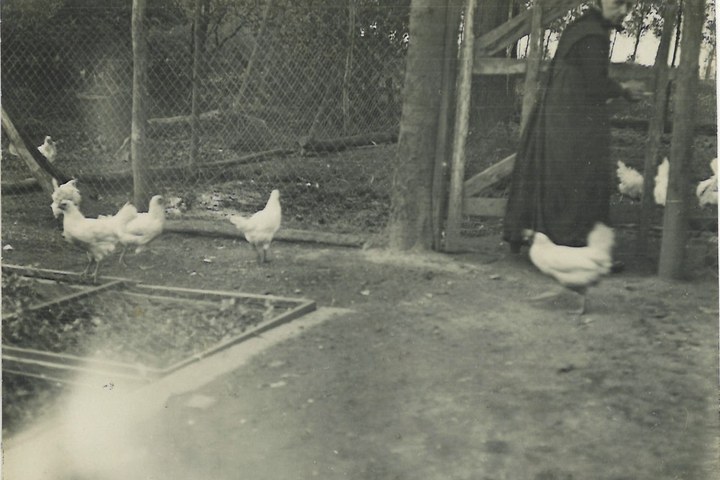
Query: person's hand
{"type": "Point", "coordinates": [633, 90]}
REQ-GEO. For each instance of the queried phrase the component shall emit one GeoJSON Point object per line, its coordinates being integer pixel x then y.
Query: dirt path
{"type": "Point", "coordinates": [444, 369]}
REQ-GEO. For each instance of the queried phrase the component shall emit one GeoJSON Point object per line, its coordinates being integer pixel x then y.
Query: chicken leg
{"type": "Point", "coordinates": [583, 305]}
{"type": "Point", "coordinates": [87, 267]}
{"type": "Point", "coordinates": [122, 255]}
{"type": "Point", "coordinates": [97, 267]}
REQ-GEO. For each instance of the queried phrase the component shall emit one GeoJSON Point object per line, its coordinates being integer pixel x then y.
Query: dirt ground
{"type": "Point", "coordinates": [444, 368]}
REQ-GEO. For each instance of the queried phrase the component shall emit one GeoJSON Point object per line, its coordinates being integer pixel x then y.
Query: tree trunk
{"type": "Point", "coordinates": [443, 147]}
{"type": "Point", "coordinates": [410, 224]}
{"type": "Point", "coordinates": [672, 249]}
{"type": "Point", "coordinates": [710, 63]}
{"type": "Point", "coordinates": [141, 183]}
{"type": "Point", "coordinates": [656, 125]}
{"type": "Point", "coordinates": [678, 31]}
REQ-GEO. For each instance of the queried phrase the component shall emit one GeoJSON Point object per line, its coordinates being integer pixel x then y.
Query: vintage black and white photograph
{"type": "Point", "coordinates": [359, 239]}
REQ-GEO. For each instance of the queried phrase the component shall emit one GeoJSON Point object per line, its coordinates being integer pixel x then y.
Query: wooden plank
{"type": "Point", "coordinates": [499, 66]}
{"type": "Point", "coordinates": [298, 311]}
{"type": "Point", "coordinates": [462, 117]}
{"type": "Point", "coordinates": [65, 368]}
{"type": "Point", "coordinates": [220, 294]}
{"type": "Point", "coordinates": [226, 229]}
{"type": "Point", "coordinates": [445, 116]}
{"type": "Point", "coordinates": [517, 27]}
{"type": "Point", "coordinates": [41, 176]}
{"type": "Point", "coordinates": [484, 207]}
{"type": "Point", "coordinates": [66, 299]}
{"type": "Point", "coordinates": [60, 275]}
{"type": "Point", "coordinates": [489, 177]}
{"type": "Point", "coordinates": [532, 80]}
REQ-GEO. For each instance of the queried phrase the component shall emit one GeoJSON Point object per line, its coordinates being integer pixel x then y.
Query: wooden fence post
{"type": "Point", "coordinates": [657, 125]}
{"type": "Point", "coordinates": [462, 116]}
{"type": "Point", "coordinates": [141, 184]}
{"type": "Point", "coordinates": [534, 59]}
{"type": "Point", "coordinates": [442, 147]}
{"type": "Point", "coordinates": [672, 250]}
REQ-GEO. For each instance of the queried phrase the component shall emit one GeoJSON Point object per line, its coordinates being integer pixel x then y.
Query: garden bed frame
{"type": "Point", "coordinates": [62, 367]}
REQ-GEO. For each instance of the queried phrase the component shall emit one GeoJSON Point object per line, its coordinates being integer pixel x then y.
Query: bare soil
{"type": "Point", "coordinates": [445, 368]}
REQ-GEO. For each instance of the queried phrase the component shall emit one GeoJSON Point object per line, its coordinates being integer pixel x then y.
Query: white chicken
{"type": "Point", "coordinates": [260, 228]}
{"type": "Point", "coordinates": [576, 268]}
{"type": "Point", "coordinates": [144, 227]}
{"type": "Point", "coordinates": [661, 182]}
{"type": "Point", "coordinates": [707, 190]}
{"type": "Point", "coordinates": [66, 191]}
{"type": "Point", "coordinates": [48, 149]}
{"type": "Point", "coordinates": [97, 236]}
{"type": "Point", "coordinates": [631, 181]}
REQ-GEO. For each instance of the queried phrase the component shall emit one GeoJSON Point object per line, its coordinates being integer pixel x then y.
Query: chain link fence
{"type": "Point", "coordinates": [303, 96]}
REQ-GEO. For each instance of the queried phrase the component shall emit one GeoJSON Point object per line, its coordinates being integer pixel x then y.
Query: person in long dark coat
{"type": "Point", "coordinates": [563, 175]}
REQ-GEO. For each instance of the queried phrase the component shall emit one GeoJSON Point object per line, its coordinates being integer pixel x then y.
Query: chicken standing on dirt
{"type": "Point", "coordinates": [631, 181]}
{"type": "Point", "coordinates": [97, 236]}
{"type": "Point", "coordinates": [576, 268]}
{"type": "Point", "coordinates": [661, 182]}
{"type": "Point", "coordinates": [260, 228]}
{"type": "Point", "coordinates": [144, 227]}
{"type": "Point", "coordinates": [66, 191]}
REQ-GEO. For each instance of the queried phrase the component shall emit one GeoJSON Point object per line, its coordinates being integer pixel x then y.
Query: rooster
{"type": "Point", "coordinates": [260, 228]}
{"type": "Point", "coordinates": [97, 236]}
{"type": "Point", "coordinates": [631, 181]}
{"type": "Point", "coordinates": [48, 149]}
{"type": "Point", "coordinates": [66, 191]}
{"type": "Point", "coordinates": [576, 268]}
{"type": "Point", "coordinates": [144, 227]}
{"type": "Point", "coordinates": [707, 190]}
{"type": "Point", "coordinates": [661, 182]}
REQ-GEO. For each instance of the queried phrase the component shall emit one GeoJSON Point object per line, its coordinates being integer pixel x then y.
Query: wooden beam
{"type": "Point", "coordinates": [462, 118]}
{"type": "Point", "coordinates": [445, 117]}
{"type": "Point", "coordinates": [534, 63]}
{"type": "Point", "coordinates": [219, 228]}
{"type": "Point", "coordinates": [484, 207]}
{"type": "Point", "coordinates": [517, 27]}
{"type": "Point", "coordinates": [499, 66]}
{"type": "Point", "coordinates": [42, 177]}
{"type": "Point", "coordinates": [489, 177]}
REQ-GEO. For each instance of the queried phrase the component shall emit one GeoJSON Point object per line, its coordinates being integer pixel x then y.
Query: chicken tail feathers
{"type": "Point", "coordinates": [601, 237]}
{"type": "Point", "coordinates": [239, 222]}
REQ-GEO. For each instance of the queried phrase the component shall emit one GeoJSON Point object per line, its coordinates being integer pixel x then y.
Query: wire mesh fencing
{"type": "Point", "coordinates": [242, 97]}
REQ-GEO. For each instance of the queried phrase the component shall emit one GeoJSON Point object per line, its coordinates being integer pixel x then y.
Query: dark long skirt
{"type": "Point", "coordinates": [561, 184]}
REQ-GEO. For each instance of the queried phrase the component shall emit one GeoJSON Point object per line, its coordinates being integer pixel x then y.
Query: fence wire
{"type": "Point", "coordinates": [299, 96]}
